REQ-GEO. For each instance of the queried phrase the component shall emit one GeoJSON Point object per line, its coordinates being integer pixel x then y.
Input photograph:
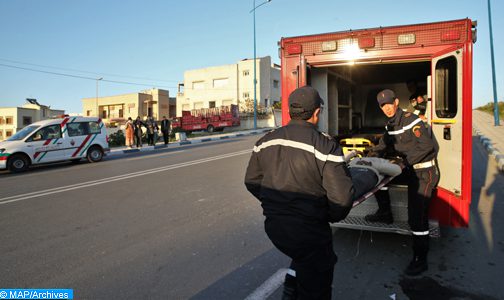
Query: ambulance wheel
{"type": "Point", "coordinates": [94, 154]}
{"type": "Point", "coordinates": [210, 129]}
{"type": "Point", "coordinates": [18, 163]}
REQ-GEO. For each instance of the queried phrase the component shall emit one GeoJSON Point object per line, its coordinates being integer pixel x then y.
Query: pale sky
{"type": "Point", "coordinates": [150, 43]}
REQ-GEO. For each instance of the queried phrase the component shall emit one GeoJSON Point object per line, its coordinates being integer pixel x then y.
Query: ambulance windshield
{"type": "Point", "coordinates": [20, 135]}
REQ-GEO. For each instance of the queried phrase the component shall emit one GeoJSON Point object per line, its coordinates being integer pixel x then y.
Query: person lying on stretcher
{"type": "Point", "coordinates": [368, 172]}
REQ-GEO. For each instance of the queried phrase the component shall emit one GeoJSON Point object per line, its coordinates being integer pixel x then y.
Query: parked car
{"type": "Point", "coordinates": [54, 140]}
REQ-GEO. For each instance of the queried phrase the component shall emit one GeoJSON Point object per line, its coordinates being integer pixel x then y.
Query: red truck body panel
{"type": "Point", "coordinates": [425, 43]}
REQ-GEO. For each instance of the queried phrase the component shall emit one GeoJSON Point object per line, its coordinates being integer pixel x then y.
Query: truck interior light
{"type": "Point", "coordinates": [294, 49]}
{"type": "Point", "coordinates": [329, 46]}
{"type": "Point", "coordinates": [406, 39]}
{"type": "Point", "coordinates": [366, 42]}
{"type": "Point", "coordinates": [451, 35]}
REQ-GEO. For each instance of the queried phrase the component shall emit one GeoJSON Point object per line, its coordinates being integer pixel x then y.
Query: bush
{"type": "Point", "coordinates": [489, 108]}
{"type": "Point", "coordinates": [117, 139]}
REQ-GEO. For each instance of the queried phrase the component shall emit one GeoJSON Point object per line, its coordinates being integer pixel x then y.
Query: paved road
{"type": "Point", "coordinates": [176, 225]}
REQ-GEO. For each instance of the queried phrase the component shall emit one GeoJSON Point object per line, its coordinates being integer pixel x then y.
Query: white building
{"type": "Point", "coordinates": [12, 119]}
{"type": "Point", "coordinates": [230, 84]}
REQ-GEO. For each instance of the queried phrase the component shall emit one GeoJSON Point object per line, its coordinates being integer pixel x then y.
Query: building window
{"type": "Point", "coordinates": [27, 121]}
{"type": "Point", "coordinates": [8, 133]}
{"type": "Point", "coordinates": [221, 82]}
{"type": "Point", "coordinates": [266, 102]}
{"type": "Point", "coordinates": [104, 114]}
{"type": "Point", "coordinates": [198, 85]}
{"type": "Point", "coordinates": [121, 115]}
{"type": "Point", "coordinates": [211, 104]}
{"type": "Point", "coordinates": [8, 120]}
{"type": "Point", "coordinates": [246, 72]}
{"type": "Point", "coordinates": [275, 84]}
{"type": "Point", "coordinates": [246, 95]}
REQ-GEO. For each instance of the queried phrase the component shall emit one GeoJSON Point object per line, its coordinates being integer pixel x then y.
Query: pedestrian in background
{"type": "Point", "coordinates": [130, 132]}
{"type": "Point", "coordinates": [150, 131]}
{"type": "Point", "coordinates": [165, 130]}
{"type": "Point", "coordinates": [156, 133]}
{"type": "Point", "coordinates": [302, 181]}
{"type": "Point", "coordinates": [138, 131]}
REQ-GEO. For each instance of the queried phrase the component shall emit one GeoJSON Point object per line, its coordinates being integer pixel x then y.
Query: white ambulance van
{"type": "Point", "coordinates": [53, 140]}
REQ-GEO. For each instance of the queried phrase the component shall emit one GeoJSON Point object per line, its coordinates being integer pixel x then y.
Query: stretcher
{"type": "Point", "coordinates": [369, 194]}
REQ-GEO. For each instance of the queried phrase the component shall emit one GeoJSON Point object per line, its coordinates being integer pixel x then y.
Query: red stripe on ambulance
{"type": "Point", "coordinates": [82, 145]}
{"type": "Point", "coordinates": [64, 122]}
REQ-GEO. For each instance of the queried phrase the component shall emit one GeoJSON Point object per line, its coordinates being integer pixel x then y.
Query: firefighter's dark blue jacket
{"type": "Point", "coordinates": [407, 137]}
{"type": "Point", "coordinates": [296, 171]}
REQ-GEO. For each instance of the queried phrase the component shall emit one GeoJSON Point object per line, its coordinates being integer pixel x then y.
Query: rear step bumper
{"type": "Point", "coordinates": [400, 227]}
{"type": "Point", "coordinates": [399, 202]}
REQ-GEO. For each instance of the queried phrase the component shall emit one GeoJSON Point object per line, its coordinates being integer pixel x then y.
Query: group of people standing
{"type": "Point", "coordinates": [134, 131]}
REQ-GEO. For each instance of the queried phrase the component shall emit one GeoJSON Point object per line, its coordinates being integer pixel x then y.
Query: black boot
{"type": "Point", "coordinates": [290, 288]}
{"type": "Point", "coordinates": [417, 266]}
{"type": "Point", "coordinates": [380, 216]}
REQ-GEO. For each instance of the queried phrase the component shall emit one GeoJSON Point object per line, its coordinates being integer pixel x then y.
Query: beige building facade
{"type": "Point", "coordinates": [230, 84]}
{"type": "Point", "coordinates": [115, 110]}
{"type": "Point", "coordinates": [13, 119]}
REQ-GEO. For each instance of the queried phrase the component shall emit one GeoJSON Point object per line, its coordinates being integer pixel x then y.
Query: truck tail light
{"type": "Point", "coordinates": [294, 49]}
{"type": "Point", "coordinates": [450, 35]}
{"type": "Point", "coordinates": [366, 42]}
{"type": "Point", "coordinates": [406, 39]}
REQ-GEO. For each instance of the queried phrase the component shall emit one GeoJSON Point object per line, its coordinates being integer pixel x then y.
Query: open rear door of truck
{"type": "Point", "coordinates": [450, 112]}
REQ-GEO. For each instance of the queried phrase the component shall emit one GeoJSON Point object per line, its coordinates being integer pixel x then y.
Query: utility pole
{"type": "Point", "coordinates": [496, 103]}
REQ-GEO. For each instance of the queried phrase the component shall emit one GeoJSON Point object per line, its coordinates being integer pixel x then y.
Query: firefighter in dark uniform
{"type": "Point", "coordinates": [407, 136]}
{"type": "Point", "coordinates": [300, 177]}
{"type": "Point", "coordinates": [417, 99]}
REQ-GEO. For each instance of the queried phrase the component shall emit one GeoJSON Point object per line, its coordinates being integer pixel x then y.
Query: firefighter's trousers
{"type": "Point", "coordinates": [309, 245]}
{"type": "Point", "coordinates": [421, 184]}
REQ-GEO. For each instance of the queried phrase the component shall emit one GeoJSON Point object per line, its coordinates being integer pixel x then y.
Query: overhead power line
{"type": "Point", "coordinates": [117, 81]}
{"type": "Point", "coordinates": [83, 77]}
{"type": "Point", "coordinates": [88, 72]}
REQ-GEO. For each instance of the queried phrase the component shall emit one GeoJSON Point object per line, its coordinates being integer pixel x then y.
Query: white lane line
{"type": "Point", "coordinates": [71, 187]}
{"type": "Point", "coordinates": [269, 286]}
{"type": "Point", "coordinates": [152, 156]}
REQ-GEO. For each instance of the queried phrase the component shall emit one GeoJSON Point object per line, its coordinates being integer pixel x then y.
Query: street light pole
{"type": "Point", "coordinates": [496, 103]}
{"type": "Point", "coordinates": [255, 76]}
{"type": "Point", "coordinates": [96, 102]}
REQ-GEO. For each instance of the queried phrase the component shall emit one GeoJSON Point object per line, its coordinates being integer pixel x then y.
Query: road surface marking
{"type": "Point", "coordinates": [81, 185]}
{"type": "Point", "coordinates": [151, 156]}
{"type": "Point", "coordinates": [269, 286]}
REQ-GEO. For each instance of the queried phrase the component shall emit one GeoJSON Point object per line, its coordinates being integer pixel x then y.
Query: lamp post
{"type": "Point", "coordinates": [496, 103]}
{"type": "Point", "coordinates": [255, 80]}
{"type": "Point", "coordinates": [97, 112]}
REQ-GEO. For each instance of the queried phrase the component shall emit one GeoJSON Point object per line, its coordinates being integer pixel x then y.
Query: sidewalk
{"type": "Point", "coordinates": [193, 140]}
{"type": "Point", "coordinates": [491, 136]}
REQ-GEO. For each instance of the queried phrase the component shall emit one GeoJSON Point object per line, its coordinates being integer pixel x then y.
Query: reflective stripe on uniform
{"type": "Point", "coordinates": [425, 165]}
{"type": "Point", "coordinates": [407, 127]}
{"type": "Point", "coordinates": [302, 146]}
{"type": "Point", "coordinates": [420, 232]}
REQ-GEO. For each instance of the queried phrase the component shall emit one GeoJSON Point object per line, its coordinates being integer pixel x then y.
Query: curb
{"type": "Point", "coordinates": [487, 143]}
{"type": "Point", "coordinates": [187, 142]}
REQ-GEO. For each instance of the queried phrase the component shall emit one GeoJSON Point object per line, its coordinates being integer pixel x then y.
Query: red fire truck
{"type": "Point", "coordinates": [348, 68]}
{"type": "Point", "coordinates": [209, 119]}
